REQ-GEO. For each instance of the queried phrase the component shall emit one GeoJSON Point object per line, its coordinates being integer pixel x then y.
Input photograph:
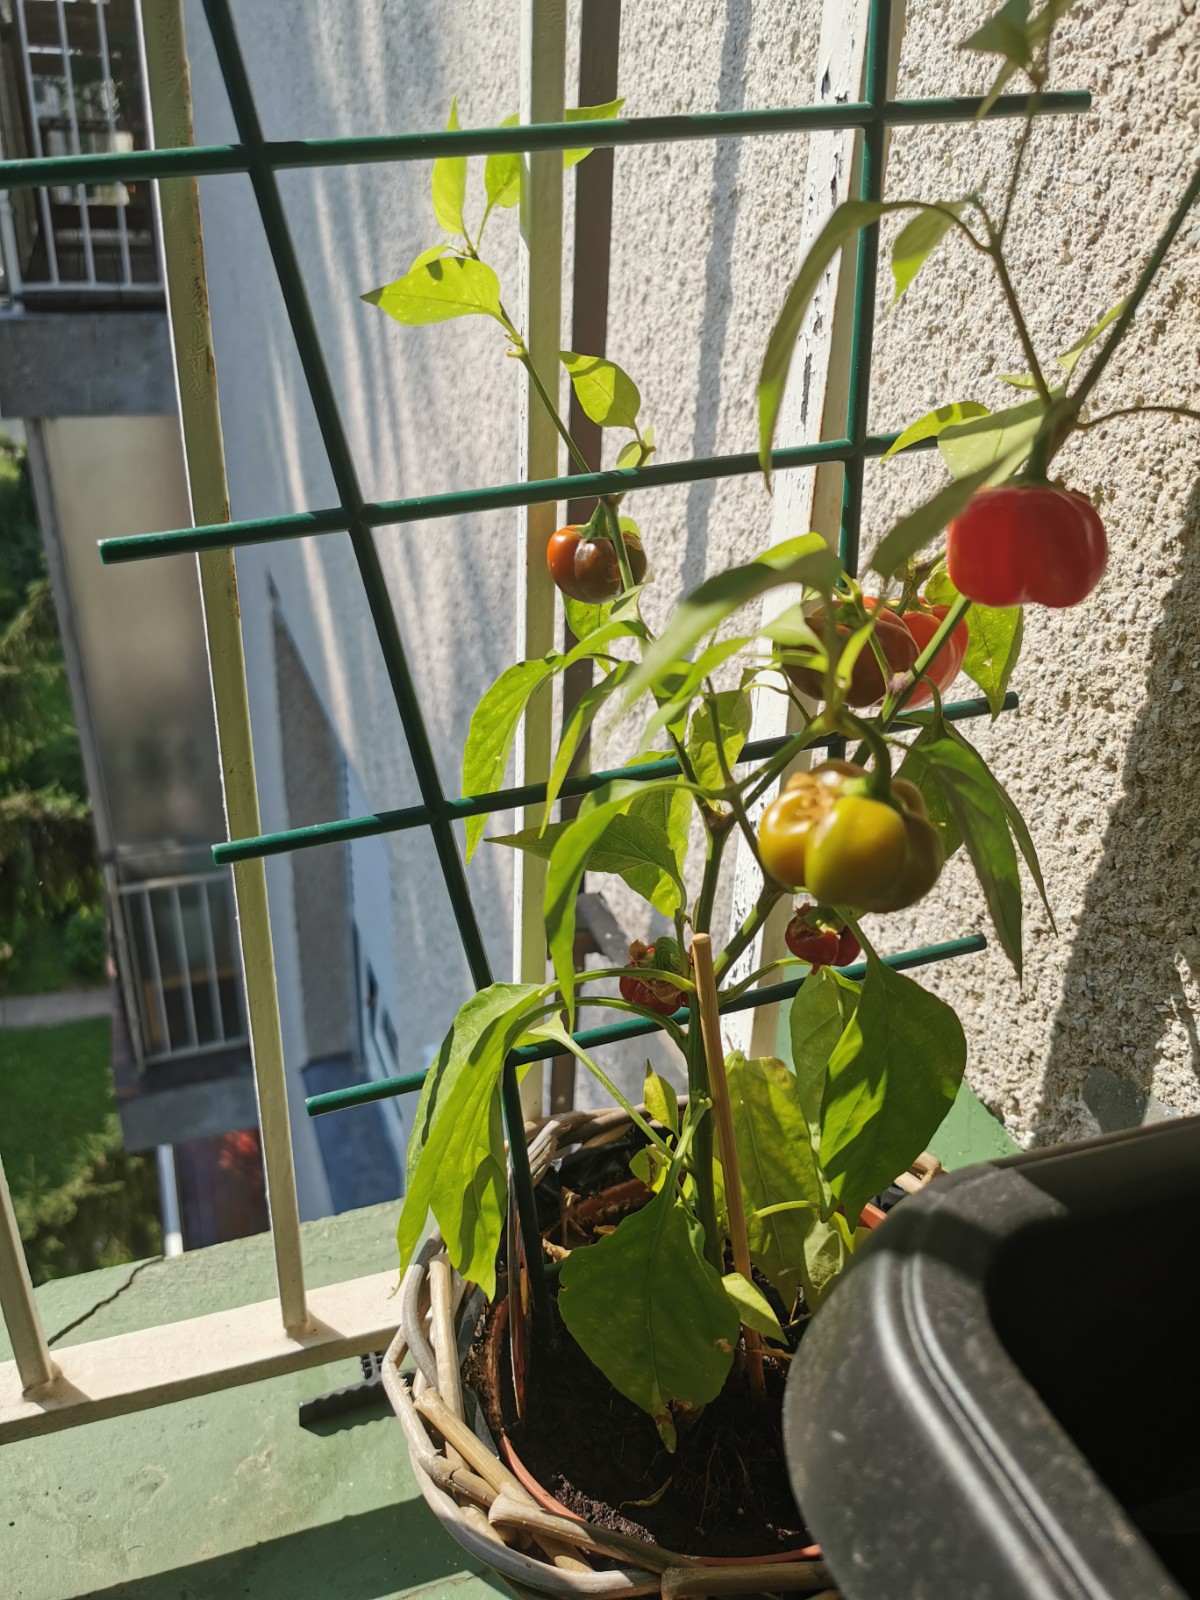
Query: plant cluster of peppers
{"type": "Point", "coordinates": [816, 1137]}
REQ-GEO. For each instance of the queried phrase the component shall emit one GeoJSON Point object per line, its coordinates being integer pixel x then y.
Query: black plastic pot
{"type": "Point", "coordinates": [1002, 1400]}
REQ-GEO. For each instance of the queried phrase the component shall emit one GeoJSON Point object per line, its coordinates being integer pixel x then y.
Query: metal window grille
{"type": "Point", "coordinates": [36, 1395]}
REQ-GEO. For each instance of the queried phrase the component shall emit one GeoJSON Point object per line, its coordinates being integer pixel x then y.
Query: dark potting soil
{"type": "Point", "coordinates": [723, 1492]}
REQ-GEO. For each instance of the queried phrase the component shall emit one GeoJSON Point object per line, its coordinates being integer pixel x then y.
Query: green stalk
{"type": "Point", "coordinates": [894, 704]}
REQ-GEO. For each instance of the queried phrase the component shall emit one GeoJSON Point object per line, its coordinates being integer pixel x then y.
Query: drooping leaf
{"type": "Point", "coordinates": [733, 712]}
{"type": "Point", "coordinates": [805, 560]}
{"type": "Point", "coordinates": [450, 185]}
{"type": "Point", "coordinates": [1000, 441]}
{"type": "Point", "coordinates": [918, 527]}
{"type": "Point", "coordinates": [650, 1165]}
{"type": "Point", "coordinates": [933, 422]}
{"type": "Point", "coordinates": [456, 1162]}
{"type": "Point", "coordinates": [647, 1309]}
{"type": "Point", "coordinates": [970, 794]}
{"type": "Point", "coordinates": [602, 113]}
{"type": "Point", "coordinates": [493, 728]}
{"type": "Point", "coordinates": [660, 1100]}
{"type": "Point", "coordinates": [502, 173]}
{"type": "Point", "coordinates": [893, 1076]}
{"type": "Point", "coordinates": [1004, 34]}
{"type": "Point", "coordinates": [919, 238]}
{"type": "Point", "coordinates": [567, 862]}
{"type": "Point", "coordinates": [752, 1306]}
{"type": "Point", "coordinates": [579, 719]}
{"type": "Point", "coordinates": [440, 290]}
{"type": "Point", "coordinates": [994, 637]}
{"type": "Point", "coordinates": [607, 394]}
{"type": "Point", "coordinates": [940, 815]}
{"type": "Point", "coordinates": [1016, 822]}
{"type": "Point", "coordinates": [775, 1155]}
{"type": "Point", "coordinates": [845, 222]}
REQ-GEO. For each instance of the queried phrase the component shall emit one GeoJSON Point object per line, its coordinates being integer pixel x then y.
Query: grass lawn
{"type": "Point", "coordinates": [80, 1201]}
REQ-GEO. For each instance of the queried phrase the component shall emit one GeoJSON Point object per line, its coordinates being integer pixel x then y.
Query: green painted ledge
{"type": "Point", "coordinates": [224, 1496]}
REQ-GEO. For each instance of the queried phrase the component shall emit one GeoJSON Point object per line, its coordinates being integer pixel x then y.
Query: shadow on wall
{"type": "Point", "coordinates": [1124, 1011]}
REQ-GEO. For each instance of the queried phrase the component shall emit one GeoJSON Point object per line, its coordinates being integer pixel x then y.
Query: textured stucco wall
{"type": "Point", "coordinates": [1102, 754]}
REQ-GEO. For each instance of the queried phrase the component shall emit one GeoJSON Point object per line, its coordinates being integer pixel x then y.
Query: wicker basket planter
{"type": "Point", "coordinates": [473, 1492]}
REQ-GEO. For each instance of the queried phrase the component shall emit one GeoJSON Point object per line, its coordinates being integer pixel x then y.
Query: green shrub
{"type": "Point", "coordinates": [85, 942]}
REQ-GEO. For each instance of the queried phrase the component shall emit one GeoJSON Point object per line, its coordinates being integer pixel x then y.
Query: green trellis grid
{"type": "Point", "coordinates": [261, 159]}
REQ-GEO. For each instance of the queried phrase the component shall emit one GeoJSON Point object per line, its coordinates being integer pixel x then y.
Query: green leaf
{"type": "Point", "coordinates": [676, 691]}
{"type": "Point", "coordinates": [439, 290]}
{"type": "Point", "coordinates": [845, 222]}
{"type": "Point", "coordinates": [635, 452]}
{"type": "Point", "coordinates": [970, 794]}
{"type": "Point", "coordinates": [777, 1164]}
{"type": "Point", "coordinates": [994, 636]}
{"type": "Point", "coordinates": [450, 184]}
{"type": "Point", "coordinates": [1016, 822]}
{"type": "Point", "coordinates": [918, 238]}
{"type": "Point", "coordinates": [828, 1246]}
{"type": "Point", "coordinates": [933, 422]}
{"type": "Point", "coordinates": [733, 712]}
{"type": "Point", "coordinates": [584, 619]}
{"type": "Point", "coordinates": [804, 560]}
{"type": "Point", "coordinates": [893, 1076]}
{"type": "Point", "coordinates": [1069, 359]}
{"type": "Point", "coordinates": [752, 1306]}
{"type": "Point", "coordinates": [915, 530]}
{"type": "Point", "coordinates": [502, 173]}
{"type": "Point", "coordinates": [456, 1164]}
{"type": "Point", "coordinates": [602, 113]}
{"type": "Point", "coordinates": [940, 815]}
{"type": "Point", "coordinates": [647, 1309]}
{"type": "Point", "coordinates": [493, 728]}
{"type": "Point", "coordinates": [578, 721]}
{"type": "Point", "coordinates": [608, 395]}
{"type": "Point", "coordinates": [818, 1017]}
{"type": "Point", "coordinates": [567, 862]}
{"type": "Point", "coordinates": [660, 1100]}
{"type": "Point", "coordinates": [1005, 34]}
{"type": "Point", "coordinates": [434, 253]}
{"type": "Point", "coordinates": [999, 441]}
{"type": "Point", "coordinates": [650, 1165]}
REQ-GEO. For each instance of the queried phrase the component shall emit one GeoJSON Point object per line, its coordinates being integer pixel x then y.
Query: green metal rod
{"type": "Point", "coordinates": [345, 477]}
{"type": "Point", "coordinates": [361, 1094]}
{"type": "Point", "coordinates": [199, 161]}
{"type": "Point", "coordinates": [504, 496]}
{"type": "Point", "coordinates": [343, 830]}
{"type": "Point", "coordinates": [862, 335]}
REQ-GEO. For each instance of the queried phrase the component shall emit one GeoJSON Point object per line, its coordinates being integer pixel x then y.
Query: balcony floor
{"type": "Point", "coordinates": [225, 1495]}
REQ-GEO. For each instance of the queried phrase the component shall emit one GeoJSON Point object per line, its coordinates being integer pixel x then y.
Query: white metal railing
{"type": "Point", "coordinates": [299, 1328]}
{"type": "Point", "coordinates": [76, 241]}
{"type": "Point", "coordinates": [186, 981]}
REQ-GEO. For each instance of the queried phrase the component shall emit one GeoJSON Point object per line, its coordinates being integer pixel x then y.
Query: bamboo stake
{"type": "Point", "coordinates": [710, 1028]}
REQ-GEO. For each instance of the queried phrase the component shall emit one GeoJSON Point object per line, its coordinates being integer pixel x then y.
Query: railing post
{"type": "Point", "coordinates": [21, 1318]}
{"type": "Point", "coordinates": [543, 72]}
{"type": "Point", "coordinates": [10, 251]}
{"type": "Point", "coordinates": [182, 253]}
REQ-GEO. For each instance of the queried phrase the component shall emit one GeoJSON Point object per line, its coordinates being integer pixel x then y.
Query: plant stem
{"type": "Point", "coordinates": [763, 906]}
{"type": "Point", "coordinates": [1010, 294]}
{"type": "Point", "coordinates": [614, 527]}
{"type": "Point", "coordinates": [526, 361]}
{"type": "Point", "coordinates": [1092, 376]}
{"type": "Point", "coordinates": [1135, 411]}
{"type": "Point", "coordinates": [1022, 146]}
{"type": "Point", "coordinates": [714, 844]}
{"type": "Point", "coordinates": [699, 1093]}
{"type": "Point", "coordinates": [710, 1028]}
{"type": "Point", "coordinates": [893, 705]}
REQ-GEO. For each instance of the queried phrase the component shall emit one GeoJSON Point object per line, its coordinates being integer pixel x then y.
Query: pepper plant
{"type": "Point", "coordinates": [877, 1060]}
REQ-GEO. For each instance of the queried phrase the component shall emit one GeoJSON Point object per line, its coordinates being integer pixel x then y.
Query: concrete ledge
{"type": "Point", "coordinates": [86, 364]}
